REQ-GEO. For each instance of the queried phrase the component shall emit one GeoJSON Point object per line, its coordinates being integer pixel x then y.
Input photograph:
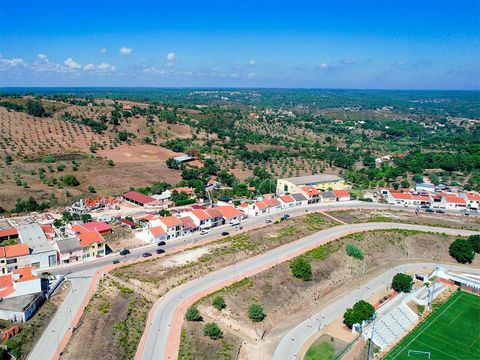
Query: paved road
{"type": "Point", "coordinates": [46, 347]}
{"type": "Point", "coordinates": [162, 333]}
{"type": "Point", "coordinates": [291, 343]}
{"type": "Point", "coordinates": [80, 274]}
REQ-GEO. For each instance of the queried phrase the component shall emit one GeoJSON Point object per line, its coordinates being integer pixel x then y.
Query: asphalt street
{"type": "Point", "coordinates": [291, 343]}
{"type": "Point", "coordinates": [158, 342]}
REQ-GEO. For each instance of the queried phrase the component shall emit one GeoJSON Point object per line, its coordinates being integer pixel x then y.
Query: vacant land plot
{"type": "Point", "coordinates": [111, 326]}
{"type": "Point", "coordinates": [333, 272]}
{"type": "Point", "coordinates": [152, 276]}
{"type": "Point", "coordinates": [450, 332]}
{"type": "Point", "coordinates": [442, 220]}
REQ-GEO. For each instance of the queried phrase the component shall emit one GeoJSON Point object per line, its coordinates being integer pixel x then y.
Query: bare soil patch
{"type": "Point", "coordinates": [441, 220]}
{"type": "Point", "coordinates": [111, 326]}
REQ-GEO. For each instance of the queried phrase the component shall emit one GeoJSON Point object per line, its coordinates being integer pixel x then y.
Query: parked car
{"type": "Point", "coordinates": [268, 221]}
{"type": "Point", "coordinates": [160, 251]}
{"type": "Point", "coordinates": [225, 233]}
{"type": "Point", "coordinates": [161, 243]}
{"type": "Point", "coordinates": [425, 207]}
{"type": "Point", "coordinates": [124, 252]}
{"type": "Point", "coordinates": [285, 217]}
{"type": "Point", "coordinates": [204, 232]}
{"type": "Point", "coordinates": [440, 211]}
{"type": "Point", "coordinates": [146, 254]}
{"type": "Point", "coordinates": [429, 210]}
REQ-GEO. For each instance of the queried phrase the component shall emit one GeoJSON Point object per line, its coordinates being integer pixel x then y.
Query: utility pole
{"type": "Point", "coordinates": [370, 344]}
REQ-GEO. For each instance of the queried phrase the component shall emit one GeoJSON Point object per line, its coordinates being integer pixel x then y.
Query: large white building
{"type": "Point", "coordinates": [43, 254]}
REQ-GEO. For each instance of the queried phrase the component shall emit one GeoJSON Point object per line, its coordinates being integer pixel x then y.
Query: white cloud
{"type": "Point", "coordinates": [251, 75]}
{"type": "Point", "coordinates": [234, 75]}
{"type": "Point", "coordinates": [103, 50]}
{"type": "Point", "coordinates": [12, 62]}
{"type": "Point", "coordinates": [323, 66]}
{"type": "Point", "coordinates": [71, 64]}
{"type": "Point", "coordinates": [42, 57]}
{"type": "Point", "coordinates": [105, 67]}
{"type": "Point", "coordinates": [252, 62]}
{"type": "Point", "coordinates": [171, 56]}
{"type": "Point", "coordinates": [125, 50]}
{"type": "Point", "coordinates": [154, 71]}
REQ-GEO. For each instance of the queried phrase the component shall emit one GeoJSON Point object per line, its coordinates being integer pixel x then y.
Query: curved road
{"type": "Point", "coordinates": [291, 344]}
{"type": "Point", "coordinates": [161, 338]}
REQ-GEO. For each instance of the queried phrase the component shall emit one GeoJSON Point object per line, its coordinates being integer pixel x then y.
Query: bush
{"type": "Point", "coordinates": [35, 108]}
{"type": "Point", "coordinates": [69, 180]}
{"type": "Point", "coordinates": [255, 312]}
{"type": "Point", "coordinates": [48, 159]}
{"type": "Point", "coordinates": [402, 283]}
{"type": "Point", "coordinates": [354, 251]}
{"type": "Point", "coordinates": [219, 303]}
{"type": "Point", "coordinates": [8, 159]}
{"type": "Point", "coordinates": [301, 268]}
{"type": "Point", "coordinates": [361, 311]}
{"type": "Point", "coordinates": [91, 189]}
{"type": "Point", "coordinates": [110, 163]}
{"type": "Point", "coordinates": [462, 251]}
{"type": "Point", "coordinates": [475, 241]}
{"type": "Point", "coordinates": [212, 331]}
{"type": "Point", "coordinates": [193, 314]}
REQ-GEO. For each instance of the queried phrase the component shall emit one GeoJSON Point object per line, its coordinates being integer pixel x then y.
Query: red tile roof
{"type": "Point", "coordinates": [454, 199]}
{"type": "Point", "coordinates": [200, 214]}
{"type": "Point", "coordinates": [341, 193]}
{"type": "Point", "coordinates": [170, 221]}
{"type": "Point", "coordinates": [214, 213]}
{"type": "Point", "coordinates": [87, 237]}
{"type": "Point", "coordinates": [6, 285]}
{"type": "Point", "coordinates": [25, 274]}
{"type": "Point", "coordinates": [310, 190]}
{"type": "Point", "coordinates": [229, 212]}
{"type": "Point", "coordinates": [272, 202]}
{"type": "Point", "coordinates": [138, 197]}
{"type": "Point", "coordinates": [287, 199]}
{"type": "Point", "coordinates": [261, 205]}
{"type": "Point", "coordinates": [127, 222]}
{"type": "Point", "coordinates": [401, 195]}
{"type": "Point", "coordinates": [8, 232]}
{"type": "Point", "coordinates": [188, 222]}
{"type": "Point", "coordinates": [16, 250]}
{"type": "Point", "coordinates": [184, 189]}
{"type": "Point", "coordinates": [97, 225]}
{"type": "Point", "coordinates": [472, 196]}
{"type": "Point", "coordinates": [157, 231]}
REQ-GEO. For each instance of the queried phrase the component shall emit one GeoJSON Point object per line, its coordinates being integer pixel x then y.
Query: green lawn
{"type": "Point", "coordinates": [320, 351]}
{"type": "Point", "coordinates": [452, 331]}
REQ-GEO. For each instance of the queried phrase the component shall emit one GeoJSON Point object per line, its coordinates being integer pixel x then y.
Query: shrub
{"type": "Point", "coordinates": [91, 189]}
{"type": "Point", "coordinates": [354, 251]}
{"type": "Point", "coordinates": [61, 167]}
{"type": "Point", "coordinates": [212, 331]}
{"type": "Point", "coordinates": [219, 303]}
{"type": "Point", "coordinates": [255, 312]}
{"type": "Point", "coordinates": [193, 314]}
{"type": "Point", "coordinates": [361, 311]}
{"type": "Point", "coordinates": [475, 241]}
{"type": "Point", "coordinates": [35, 108]}
{"type": "Point", "coordinates": [48, 159]}
{"type": "Point", "coordinates": [8, 159]}
{"type": "Point", "coordinates": [402, 283]}
{"type": "Point", "coordinates": [462, 251]}
{"type": "Point", "coordinates": [301, 268]}
{"type": "Point", "coordinates": [110, 163]}
{"type": "Point", "coordinates": [69, 180]}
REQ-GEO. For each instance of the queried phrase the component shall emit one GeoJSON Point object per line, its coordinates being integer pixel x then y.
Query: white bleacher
{"type": "Point", "coordinates": [391, 326]}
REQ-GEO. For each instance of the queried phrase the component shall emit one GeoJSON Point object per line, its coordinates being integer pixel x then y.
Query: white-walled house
{"type": "Point", "coordinates": [172, 225]}
{"type": "Point", "coordinates": [342, 195]}
{"type": "Point", "coordinates": [472, 199]}
{"type": "Point", "coordinates": [300, 199]}
{"type": "Point", "coordinates": [287, 201]}
{"type": "Point", "coordinates": [151, 235]}
{"type": "Point", "coordinates": [215, 216]}
{"type": "Point", "coordinates": [230, 214]}
{"type": "Point", "coordinates": [201, 218]}
{"type": "Point", "coordinates": [452, 202]}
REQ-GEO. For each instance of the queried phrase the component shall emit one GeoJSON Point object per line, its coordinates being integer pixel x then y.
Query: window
{"type": "Point", "coordinates": [11, 261]}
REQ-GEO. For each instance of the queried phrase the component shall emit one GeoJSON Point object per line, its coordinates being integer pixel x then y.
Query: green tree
{"type": "Point", "coordinates": [8, 158]}
{"type": "Point", "coordinates": [212, 331]}
{"type": "Point", "coordinates": [462, 251]}
{"type": "Point", "coordinates": [402, 283]}
{"type": "Point", "coordinates": [57, 223]}
{"type": "Point", "coordinates": [69, 180]}
{"type": "Point", "coordinates": [361, 311]}
{"type": "Point", "coordinates": [255, 312]}
{"type": "Point", "coordinates": [219, 302]}
{"type": "Point", "coordinates": [35, 108]}
{"type": "Point", "coordinates": [475, 241]}
{"type": "Point", "coordinates": [301, 268]}
{"type": "Point", "coordinates": [91, 189]}
{"type": "Point", "coordinates": [354, 251]}
{"type": "Point", "coordinates": [193, 314]}
{"type": "Point", "coordinates": [110, 163]}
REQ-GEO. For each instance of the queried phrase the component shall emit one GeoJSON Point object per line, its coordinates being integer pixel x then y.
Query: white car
{"type": "Point", "coordinates": [204, 232]}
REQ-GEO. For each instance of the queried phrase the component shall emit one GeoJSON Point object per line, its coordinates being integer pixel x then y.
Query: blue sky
{"type": "Point", "coordinates": [402, 44]}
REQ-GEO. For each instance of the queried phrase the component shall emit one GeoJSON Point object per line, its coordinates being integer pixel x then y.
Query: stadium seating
{"type": "Point", "coordinates": [391, 326]}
